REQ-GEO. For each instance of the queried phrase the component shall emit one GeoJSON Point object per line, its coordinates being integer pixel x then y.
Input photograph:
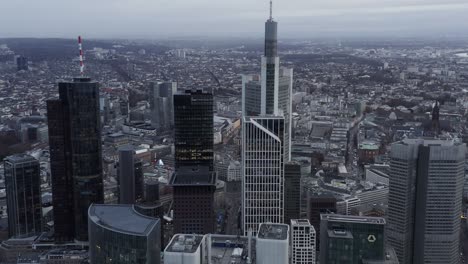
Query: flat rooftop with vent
{"type": "Point", "coordinates": [273, 231]}
{"type": "Point", "coordinates": [185, 243]}
{"type": "Point", "coordinates": [353, 219]}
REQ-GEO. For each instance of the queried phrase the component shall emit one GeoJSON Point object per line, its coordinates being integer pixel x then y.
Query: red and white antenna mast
{"type": "Point", "coordinates": [81, 56]}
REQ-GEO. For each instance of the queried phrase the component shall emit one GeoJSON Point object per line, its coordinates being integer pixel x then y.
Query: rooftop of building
{"type": "Point", "coordinates": [121, 218]}
{"type": "Point", "coordinates": [193, 91]}
{"type": "Point", "coordinates": [429, 142]}
{"type": "Point", "coordinates": [369, 145]}
{"type": "Point", "coordinates": [184, 243]}
{"type": "Point", "coordinates": [193, 175]}
{"type": "Point", "coordinates": [81, 79]}
{"type": "Point", "coordinates": [273, 231]}
{"type": "Point", "coordinates": [22, 157]}
{"type": "Point", "coordinates": [127, 147]}
{"type": "Point", "coordinates": [300, 222]}
{"type": "Point", "coordinates": [227, 249]}
{"type": "Point", "coordinates": [353, 219]}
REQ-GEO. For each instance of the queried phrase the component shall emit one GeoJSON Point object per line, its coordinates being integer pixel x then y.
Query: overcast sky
{"type": "Point", "coordinates": [154, 19]}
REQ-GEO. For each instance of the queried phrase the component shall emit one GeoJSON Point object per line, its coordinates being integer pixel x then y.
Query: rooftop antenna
{"type": "Point", "coordinates": [271, 10]}
{"type": "Point", "coordinates": [81, 56]}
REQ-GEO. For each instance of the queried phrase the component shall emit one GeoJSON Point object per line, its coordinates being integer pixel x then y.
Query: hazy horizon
{"type": "Point", "coordinates": [153, 19]}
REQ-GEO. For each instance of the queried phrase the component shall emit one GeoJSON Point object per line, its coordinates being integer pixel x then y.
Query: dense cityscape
{"type": "Point", "coordinates": [255, 151]}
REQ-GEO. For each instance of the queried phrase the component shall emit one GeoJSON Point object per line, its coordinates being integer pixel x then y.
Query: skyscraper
{"type": "Point", "coordinates": [193, 192]}
{"type": "Point", "coordinates": [23, 188]}
{"type": "Point", "coordinates": [75, 156]}
{"type": "Point", "coordinates": [130, 176]}
{"type": "Point", "coordinates": [22, 63]}
{"type": "Point", "coordinates": [425, 200]}
{"type": "Point", "coordinates": [302, 242]}
{"type": "Point", "coordinates": [292, 191]}
{"type": "Point", "coordinates": [263, 171]}
{"type": "Point", "coordinates": [270, 93]}
{"type": "Point", "coordinates": [193, 131]}
{"type": "Point", "coordinates": [161, 96]}
{"type": "Point", "coordinates": [266, 127]}
{"type": "Point", "coordinates": [194, 179]}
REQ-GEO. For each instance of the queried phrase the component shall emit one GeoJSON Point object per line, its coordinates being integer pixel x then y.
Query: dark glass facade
{"type": "Point", "coordinates": [23, 188]}
{"type": "Point", "coordinates": [193, 131]}
{"type": "Point", "coordinates": [292, 191]}
{"type": "Point", "coordinates": [130, 178]}
{"type": "Point", "coordinates": [271, 53]}
{"type": "Point", "coordinates": [193, 191]}
{"type": "Point", "coordinates": [351, 239]}
{"type": "Point", "coordinates": [271, 38]}
{"type": "Point", "coordinates": [317, 205]}
{"type": "Point", "coordinates": [120, 235]}
{"type": "Point", "coordinates": [22, 63]}
{"type": "Point", "coordinates": [75, 154]}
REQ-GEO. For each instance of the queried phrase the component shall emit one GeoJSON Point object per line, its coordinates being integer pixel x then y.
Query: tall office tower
{"type": "Point", "coordinates": [302, 242]}
{"type": "Point", "coordinates": [317, 205]}
{"type": "Point", "coordinates": [263, 171]}
{"type": "Point", "coordinates": [270, 93]}
{"type": "Point", "coordinates": [292, 191]}
{"type": "Point", "coordinates": [119, 234]}
{"type": "Point", "coordinates": [75, 157]}
{"type": "Point", "coordinates": [130, 176]}
{"type": "Point", "coordinates": [193, 192]}
{"type": "Point", "coordinates": [425, 200]}
{"type": "Point", "coordinates": [270, 68]}
{"type": "Point", "coordinates": [352, 239]}
{"type": "Point", "coordinates": [23, 188]}
{"type": "Point", "coordinates": [161, 103]}
{"type": "Point", "coordinates": [22, 63]}
{"type": "Point", "coordinates": [193, 130]}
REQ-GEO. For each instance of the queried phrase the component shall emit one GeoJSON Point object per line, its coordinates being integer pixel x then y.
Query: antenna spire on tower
{"type": "Point", "coordinates": [271, 10]}
{"type": "Point", "coordinates": [81, 56]}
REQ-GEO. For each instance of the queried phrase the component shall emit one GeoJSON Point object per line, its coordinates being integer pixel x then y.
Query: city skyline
{"type": "Point", "coordinates": [205, 151]}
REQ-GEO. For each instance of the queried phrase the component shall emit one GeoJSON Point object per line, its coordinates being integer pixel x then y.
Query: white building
{"type": "Point", "coordinates": [272, 244]}
{"type": "Point", "coordinates": [185, 249]}
{"type": "Point", "coordinates": [234, 171]}
{"type": "Point", "coordinates": [344, 207]}
{"type": "Point", "coordinates": [263, 171]}
{"type": "Point", "coordinates": [303, 239]}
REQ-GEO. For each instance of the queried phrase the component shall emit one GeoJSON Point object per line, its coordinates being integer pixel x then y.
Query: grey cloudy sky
{"type": "Point", "coordinates": [161, 18]}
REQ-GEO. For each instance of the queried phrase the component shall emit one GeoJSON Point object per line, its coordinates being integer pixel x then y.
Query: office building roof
{"type": "Point", "coordinates": [300, 222]}
{"type": "Point", "coordinates": [121, 218]}
{"type": "Point", "coordinates": [184, 243]}
{"type": "Point", "coordinates": [353, 219]}
{"type": "Point", "coordinates": [273, 231]}
{"type": "Point", "coordinates": [20, 158]}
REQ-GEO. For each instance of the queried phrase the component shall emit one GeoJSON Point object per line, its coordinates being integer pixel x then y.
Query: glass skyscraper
{"type": "Point", "coordinates": [161, 97]}
{"type": "Point", "coordinates": [23, 188]}
{"type": "Point", "coordinates": [75, 156]}
{"type": "Point", "coordinates": [193, 130]}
